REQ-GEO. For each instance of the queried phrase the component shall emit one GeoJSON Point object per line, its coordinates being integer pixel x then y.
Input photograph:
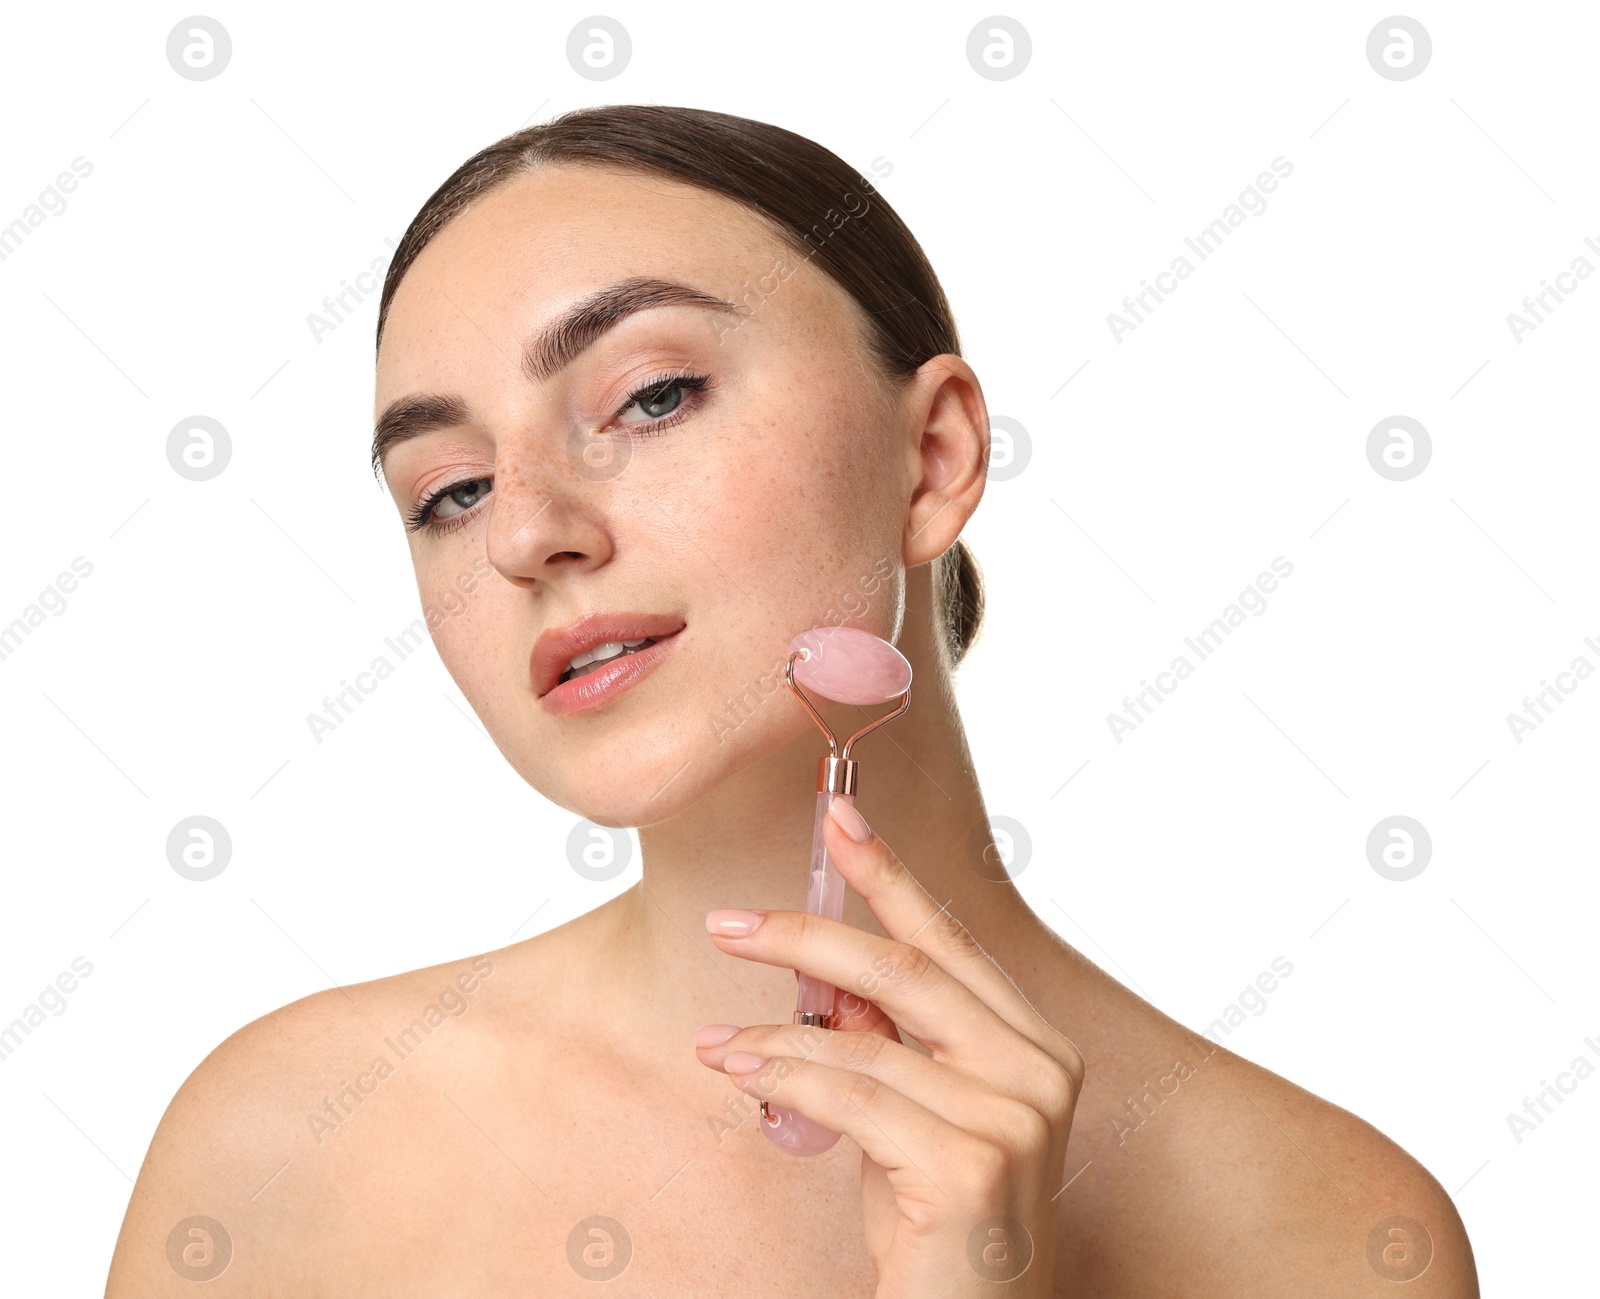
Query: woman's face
{"type": "Point", "coordinates": [764, 495]}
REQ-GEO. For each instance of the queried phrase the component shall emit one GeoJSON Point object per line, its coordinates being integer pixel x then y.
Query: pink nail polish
{"type": "Point", "coordinates": [743, 1061]}
{"type": "Point", "coordinates": [842, 810]}
{"type": "Point", "coordinates": [714, 1034]}
{"type": "Point", "coordinates": [731, 922]}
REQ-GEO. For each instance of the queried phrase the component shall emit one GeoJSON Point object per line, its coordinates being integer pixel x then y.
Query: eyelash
{"type": "Point", "coordinates": [420, 517]}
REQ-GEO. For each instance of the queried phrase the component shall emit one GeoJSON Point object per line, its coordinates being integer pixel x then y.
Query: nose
{"type": "Point", "coordinates": [545, 524]}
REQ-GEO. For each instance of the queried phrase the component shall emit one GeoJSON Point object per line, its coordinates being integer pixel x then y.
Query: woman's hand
{"type": "Point", "coordinates": [962, 1149]}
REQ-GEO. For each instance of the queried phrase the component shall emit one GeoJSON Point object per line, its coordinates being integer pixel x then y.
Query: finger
{"type": "Point", "coordinates": [924, 1151]}
{"type": "Point", "coordinates": [851, 1015]}
{"type": "Point", "coordinates": [959, 1030]}
{"type": "Point", "coordinates": [910, 914]}
{"type": "Point", "coordinates": [953, 1094]}
{"type": "Point", "coordinates": [902, 979]}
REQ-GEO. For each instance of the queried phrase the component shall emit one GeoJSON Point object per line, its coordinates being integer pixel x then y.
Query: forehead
{"type": "Point", "coordinates": [537, 243]}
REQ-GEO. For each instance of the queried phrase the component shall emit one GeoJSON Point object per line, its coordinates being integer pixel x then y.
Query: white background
{"type": "Point", "coordinates": [1166, 471]}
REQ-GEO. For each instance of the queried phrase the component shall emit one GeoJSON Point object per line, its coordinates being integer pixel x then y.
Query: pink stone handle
{"type": "Point", "coordinates": [824, 897]}
{"type": "Point", "coordinates": [785, 1128]}
{"type": "Point", "coordinates": [851, 666]}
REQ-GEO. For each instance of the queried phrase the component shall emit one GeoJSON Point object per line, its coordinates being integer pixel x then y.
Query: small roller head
{"type": "Point", "coordinates": [850, 665]}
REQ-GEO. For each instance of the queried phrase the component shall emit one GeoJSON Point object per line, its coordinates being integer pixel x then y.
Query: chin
{"type": "Point", "coordinates": [621, 809]}
{"type": "Point", "coordinates": [645, 779]}
{"type": "Point", "coordinates": [631, 782]}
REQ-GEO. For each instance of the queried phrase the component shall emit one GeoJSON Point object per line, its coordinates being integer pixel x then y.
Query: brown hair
{"type": "Point", "coordinates": [797, 185]}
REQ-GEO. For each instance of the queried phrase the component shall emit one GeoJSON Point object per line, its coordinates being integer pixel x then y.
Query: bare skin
{"type": "Point", "coordinates": [555, 1080]}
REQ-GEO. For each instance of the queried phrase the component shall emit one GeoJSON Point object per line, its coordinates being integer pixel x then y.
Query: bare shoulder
{"type": "Point", "coordinates": [289, 1122]}
{"type": "Point", "coordinates": [1234, 1179]}
{"type": "Point", "coordinates": [1321, 1197]}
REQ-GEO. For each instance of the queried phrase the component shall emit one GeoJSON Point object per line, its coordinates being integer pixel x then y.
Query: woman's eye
{"type": "Point", "coordinates": [446, 508]}
{"type": "Point", "coordinates": [659, 402]}
{"type": "Point", "coordinates": [463, 497]}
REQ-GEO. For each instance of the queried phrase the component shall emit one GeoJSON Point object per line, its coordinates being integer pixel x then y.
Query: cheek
{"type": "Point", "coordinates": [811, 546]}
{"type": "Point", "coordinates": [442, 604]}
{"type": "Point", "coordinates": [468, 617]}
{"type": "Point", "coordinates": [813, 472]}
{"type": "Point", "coordinates": [452, 586]}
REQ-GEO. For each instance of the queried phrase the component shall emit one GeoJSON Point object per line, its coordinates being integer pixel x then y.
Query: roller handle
{"type": "Point", "coordinates": [785, 1128]}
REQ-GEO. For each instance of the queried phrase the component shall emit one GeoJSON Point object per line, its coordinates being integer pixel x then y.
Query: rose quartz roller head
{"type": "Point", "coordinates": [853, 667]}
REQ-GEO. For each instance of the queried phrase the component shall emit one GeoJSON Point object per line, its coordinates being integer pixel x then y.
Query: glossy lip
{"type": "Point", "coordinates": [597, 688]}
{"type": "Point", "coordinates": [558, 647]}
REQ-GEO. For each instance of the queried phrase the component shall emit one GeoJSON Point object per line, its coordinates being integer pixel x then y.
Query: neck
{"type": "Point", "coordinates": [747, 844]}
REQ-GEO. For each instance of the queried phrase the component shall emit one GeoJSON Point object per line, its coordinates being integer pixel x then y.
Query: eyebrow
{"type": "Point", "coordinates": [545, 354]}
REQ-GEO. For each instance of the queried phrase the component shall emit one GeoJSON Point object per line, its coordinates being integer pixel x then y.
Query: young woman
{"type": "Point", "coordinates": [654, 374]}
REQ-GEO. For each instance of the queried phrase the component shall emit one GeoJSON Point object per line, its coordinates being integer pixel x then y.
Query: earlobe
{"type": "Point", "coordinates": [953, 457]}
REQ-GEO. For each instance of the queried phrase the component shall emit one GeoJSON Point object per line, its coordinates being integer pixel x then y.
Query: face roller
{"type": "Point", "coordinates": [850, 666]}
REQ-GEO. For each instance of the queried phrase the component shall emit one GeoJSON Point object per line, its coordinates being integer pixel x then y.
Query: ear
{"type": "Point", "coordinates": [950, 455]}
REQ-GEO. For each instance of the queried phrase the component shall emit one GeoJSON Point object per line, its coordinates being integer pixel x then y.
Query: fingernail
{"type": "Point", "coordinates": [743, 1061]}
{"type": "Point", "coordinates": [850, 821]}
{"type": "Point", "coordinates": [714, 1034]}
{"type": "Point", "coordinates": [732, 922]}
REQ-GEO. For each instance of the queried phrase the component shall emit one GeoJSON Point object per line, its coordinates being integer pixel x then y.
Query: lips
{"type": "Point", "coordinates": [558, 647]}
